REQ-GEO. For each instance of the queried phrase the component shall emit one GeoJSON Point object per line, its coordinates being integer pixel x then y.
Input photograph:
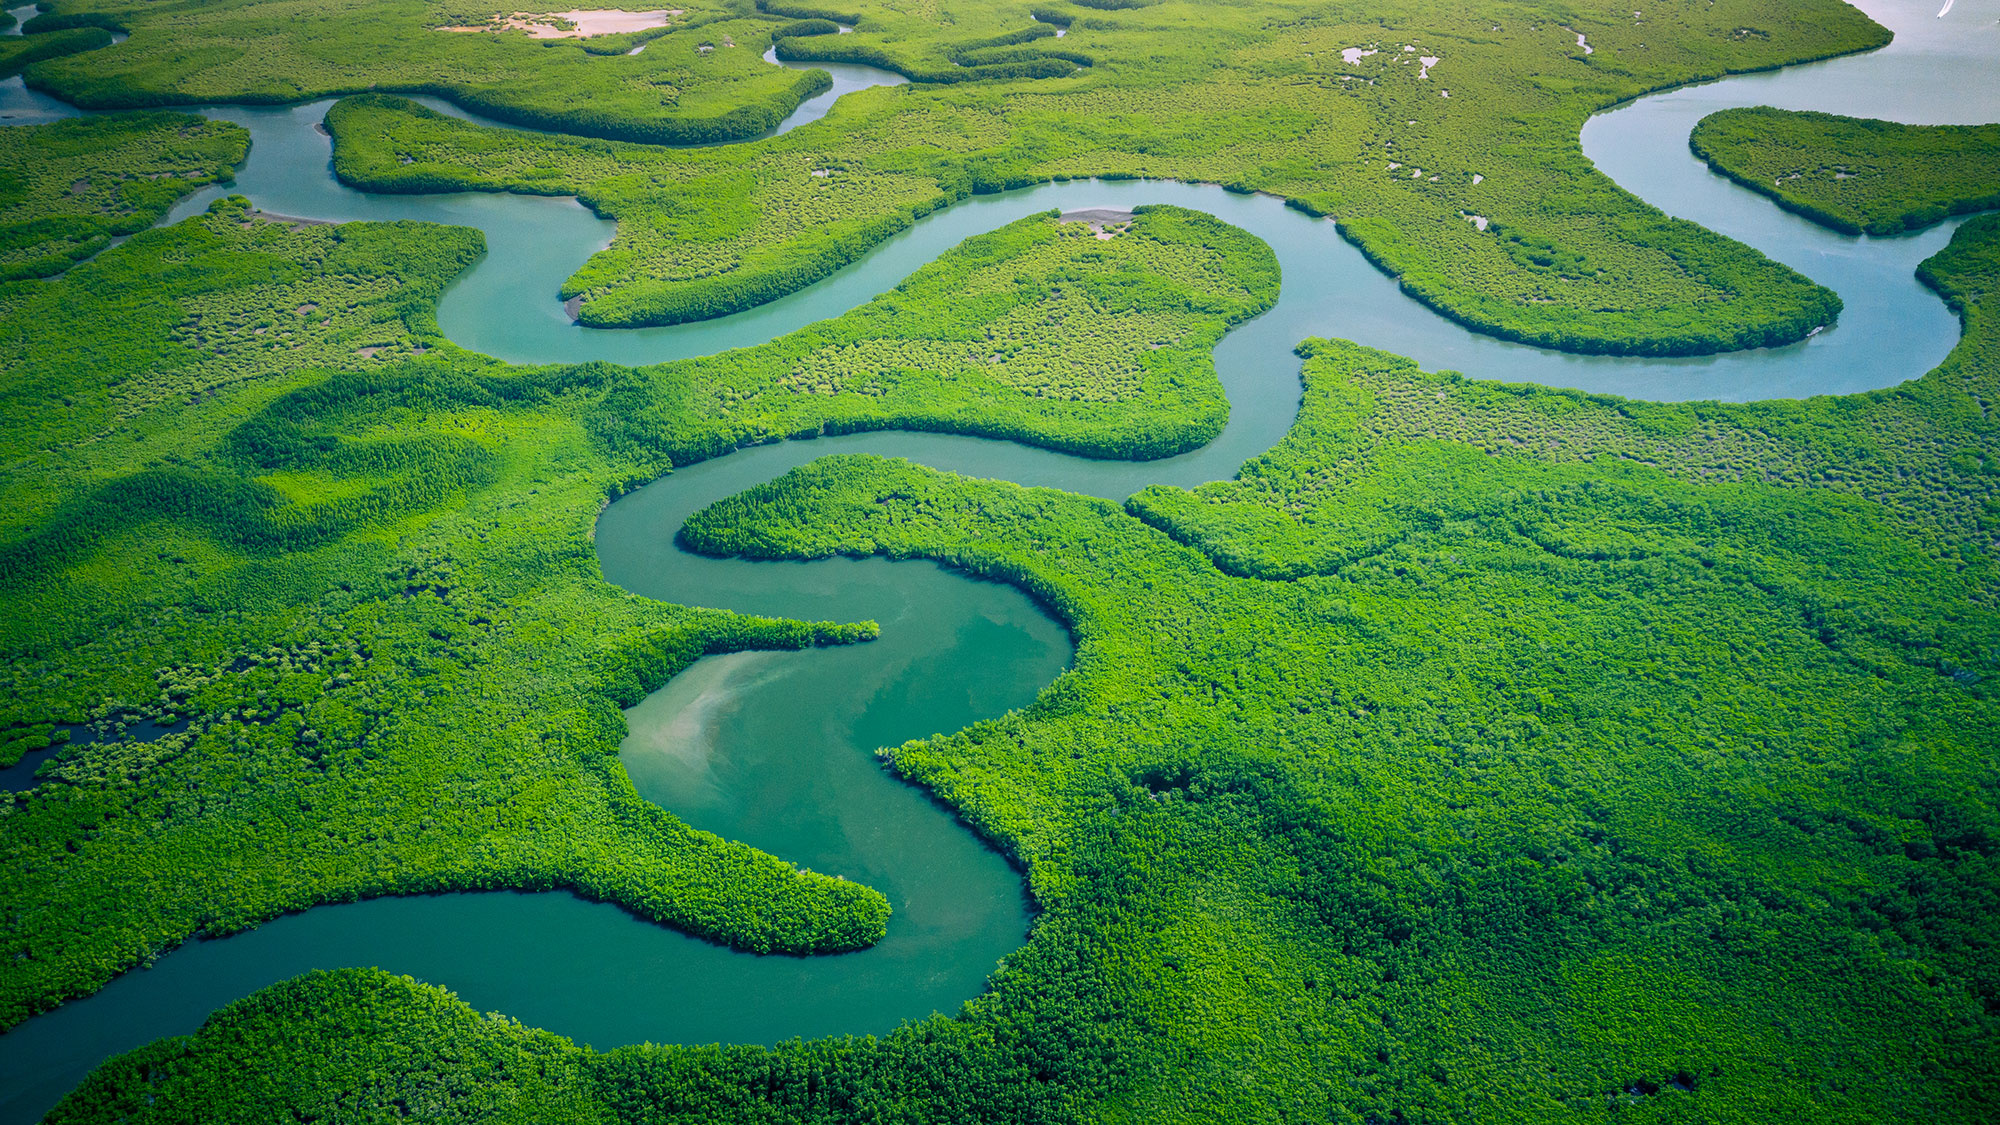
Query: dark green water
{"type": "Point", "coordinates": [777, 749]}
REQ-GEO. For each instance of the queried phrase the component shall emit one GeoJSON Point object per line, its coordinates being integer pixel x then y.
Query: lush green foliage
{"type": "Point", "coordinates": [1921, 451]}
{"type": "Point", "coordinates": [17, 54]}
{"type": "Point", "coordinates": [211, 530]}
{"type": "Point", "coordinates": [701, 80]}
{"type": "Point", "coordinates": [1853, 174]}
{"type": "Point", "coordinates": [990, 58]}
{"type": "Point", "coordinates": [1482, 753]}
{"type": "Point", "coordinates": [1611, 795]}
{"type": "Point", "coordinates": [67, 189]}
{"type": "Point", "coordinates": [1255, 94]}
{"type": "Point", "coordinates": [1038, 332]}
{"type": "Point", "coordinates": [331, 1022]}
{"type": "Point", "coordinates": [805, 27]}
{"type": "Point", "coordinates": [1556, 661]}
{"type": "Point", "coordinates": [275, 505]}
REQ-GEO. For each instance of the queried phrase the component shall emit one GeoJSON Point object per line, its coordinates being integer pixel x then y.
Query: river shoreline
{"type": "Point", "coordinates": [466, 941]}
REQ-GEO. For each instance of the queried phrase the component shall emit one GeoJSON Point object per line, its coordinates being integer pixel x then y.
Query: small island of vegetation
{"type": "Point", "coordinates": [1852, 174]}
{"type": "Point", "coordinates": [1478, 752]}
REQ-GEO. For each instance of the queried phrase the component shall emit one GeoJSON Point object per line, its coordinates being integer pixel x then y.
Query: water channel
{"type": "Point", "coordinates": [726, 747]}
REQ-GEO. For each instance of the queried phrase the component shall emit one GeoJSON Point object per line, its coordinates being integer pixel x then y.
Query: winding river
{"type": "Point", "coordinates": [724, 747]}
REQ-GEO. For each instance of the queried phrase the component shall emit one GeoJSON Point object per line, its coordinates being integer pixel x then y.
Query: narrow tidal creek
{"type": "Point", "coordinates": [726, 746]}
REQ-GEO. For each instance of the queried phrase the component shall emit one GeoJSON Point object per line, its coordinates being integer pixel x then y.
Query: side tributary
{"type": "Point", "coordinates": [775, 749]}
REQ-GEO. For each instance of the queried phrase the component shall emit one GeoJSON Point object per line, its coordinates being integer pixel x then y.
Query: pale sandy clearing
{"type": "Point", "coordinates": [1104, 223]}
{"type": "Point", "coordinates": [583, 23]}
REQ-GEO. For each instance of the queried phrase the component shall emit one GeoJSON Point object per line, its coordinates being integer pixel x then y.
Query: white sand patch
{"type": "Point", "coordinates": [1444, 93]}
{"type": "Point", "coordinates": [1479, 221]}
{"type": "Point", "coordinates": [1477, 178]}
{"type": "Point", "coordinates": [1417, 173]}
{"type": "Point", "coordinates": [1426, 63]}
{"type": "Point", "coordinates": [1353, 55]}
{"type": "Point", "coordinates": [1394, 164]}
{"type": "Point", "coordinates": [579, 24]}
{"type": "Point", "coordinates": [1580, 40]}
{"type": "Point", "coordinates": [1105, 223]}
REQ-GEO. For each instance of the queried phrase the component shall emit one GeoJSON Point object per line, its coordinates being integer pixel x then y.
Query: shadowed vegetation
{"type": "Point", "coordinates": [354, 561]}
{"type": "Point", "coordinates": [1603, 793]}
{"type": "Point", "coordinates": [1480, 753]}
{"type": "Point", "coordinates": [68, 188]}
{"type": "Point", "coordinates": [19, 53]}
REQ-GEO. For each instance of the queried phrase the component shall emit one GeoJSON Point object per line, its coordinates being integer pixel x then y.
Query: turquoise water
{"type": "Point", "coordinates": [726, 745]}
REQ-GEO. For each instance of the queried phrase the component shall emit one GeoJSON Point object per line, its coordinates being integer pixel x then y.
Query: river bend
{"type": "Point", "coordinates": [720, 744]}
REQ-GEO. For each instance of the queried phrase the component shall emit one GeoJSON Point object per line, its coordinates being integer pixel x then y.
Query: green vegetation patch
{"type": "Point", "coordinates": [331, 1021]}
{"type": "Point", "coordinates": [1040, 332]}
{"type": "Point", "coordinates": [701, 80]}
{"type": "Point", "coordinates": [17, 53]}
{"type": "Point", "coordinates": [1853, 174]}
{"type": "Point", "coordinates": [1624, 795]}
{"type": "Point", "coordinates": [67, 189]}
{"type": "Point", "coordinates": [1918, 450]}
{"type": "Point", "coordinates": [350, 565]}
{"type": "Point", "coordinates": [1481, 753]}
{"type": "Point", "coordinates": [1446, 116]}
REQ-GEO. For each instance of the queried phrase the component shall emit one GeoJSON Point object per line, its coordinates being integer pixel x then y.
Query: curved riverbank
{"type": "Point", "coordinates": [641, 982]}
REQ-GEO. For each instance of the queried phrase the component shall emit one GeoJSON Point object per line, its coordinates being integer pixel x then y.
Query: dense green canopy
{"type": "Point", "coordinates": [1479, 753]}
{"type": "Point", "coordinates": [1852, 174]}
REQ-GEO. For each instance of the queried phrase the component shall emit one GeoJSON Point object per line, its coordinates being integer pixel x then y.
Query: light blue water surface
{"type": "Point", "coordinates": [775, 749]}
